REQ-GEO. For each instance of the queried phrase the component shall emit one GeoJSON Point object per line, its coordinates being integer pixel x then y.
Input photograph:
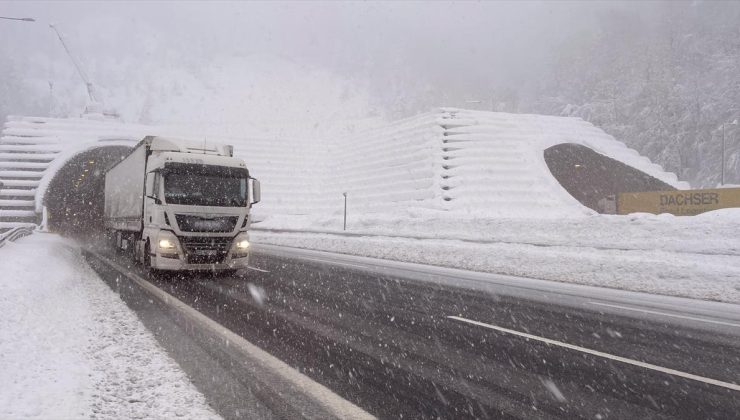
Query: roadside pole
{"type": "Point", "coordinates": [345, 210]}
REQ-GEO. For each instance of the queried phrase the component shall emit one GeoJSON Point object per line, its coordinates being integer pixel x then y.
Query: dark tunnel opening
{"type": "Point", "coordinates": [74, 199]}
{"type": "Point", "coordinates": [590, 176]}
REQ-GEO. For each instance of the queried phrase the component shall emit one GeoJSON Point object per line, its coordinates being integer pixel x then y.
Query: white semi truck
{"type": "Point", "coordinates": [181, 205]}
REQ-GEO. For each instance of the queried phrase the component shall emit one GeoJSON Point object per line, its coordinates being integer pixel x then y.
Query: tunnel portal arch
{"type": "Point", "coordinates": [73, 196]}
{"type": "Point", "coordinates": [590, 176]}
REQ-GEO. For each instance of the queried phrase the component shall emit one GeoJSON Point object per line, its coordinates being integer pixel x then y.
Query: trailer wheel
{"type": "Point", "coordinates": [118, 242]}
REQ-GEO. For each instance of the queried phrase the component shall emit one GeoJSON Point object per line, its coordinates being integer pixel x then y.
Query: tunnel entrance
{"type": "Point", "coordinates": [589, 176]}
{"type": "Point", "coordinates": [74, 199]}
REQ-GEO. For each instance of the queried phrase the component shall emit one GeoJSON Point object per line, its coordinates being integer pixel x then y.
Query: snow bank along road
{"type": "Point", "coordinates": [240, 379]}
{"type": "Point", "coordinates": [695, 257]}
{"type": "Point", "coordinates": [69, 348]}
{"type": "Point", "coordinates": [399, 339]}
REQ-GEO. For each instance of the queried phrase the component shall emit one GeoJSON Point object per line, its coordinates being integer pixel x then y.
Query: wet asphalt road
{"type": "Point", "coordinates": [385, 341]}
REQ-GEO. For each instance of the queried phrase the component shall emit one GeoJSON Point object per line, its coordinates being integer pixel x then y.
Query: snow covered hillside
{"type": "Point", "coordinates": [244, 95]}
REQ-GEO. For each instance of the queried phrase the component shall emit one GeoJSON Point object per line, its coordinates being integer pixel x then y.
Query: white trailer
{"type": "Point", "coordinates": [181, 205]}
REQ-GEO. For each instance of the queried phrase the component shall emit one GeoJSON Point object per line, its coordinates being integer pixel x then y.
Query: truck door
{"type": "Point", "coordinates": [152, 200]}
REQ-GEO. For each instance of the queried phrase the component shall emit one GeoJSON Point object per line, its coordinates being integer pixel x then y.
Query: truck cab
{"type": "Point", "coordinates": [195, 206]}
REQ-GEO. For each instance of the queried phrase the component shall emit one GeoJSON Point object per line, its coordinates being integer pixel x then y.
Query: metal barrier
{"type": "Point", "coordinates": [14, 234]}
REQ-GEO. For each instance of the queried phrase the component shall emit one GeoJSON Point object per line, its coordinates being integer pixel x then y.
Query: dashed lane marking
{"type": "Point", "coordinates": [728, 385]}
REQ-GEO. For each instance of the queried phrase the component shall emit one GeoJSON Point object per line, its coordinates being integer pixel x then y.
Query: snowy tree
{"type": "Point", "coordinates": [664, 88]}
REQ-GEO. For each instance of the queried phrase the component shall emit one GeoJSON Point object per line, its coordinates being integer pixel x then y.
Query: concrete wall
{"type": "Point", "coordinates": [471, 163]}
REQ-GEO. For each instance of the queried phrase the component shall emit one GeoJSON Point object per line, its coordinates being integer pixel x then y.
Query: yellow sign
{"type": "Point", "coordinates": [679, 202]}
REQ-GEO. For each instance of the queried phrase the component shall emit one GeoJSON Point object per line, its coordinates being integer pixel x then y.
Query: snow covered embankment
{"type": "Point", "coordinates": [472, 190]}
{"type": "Point", "coordinates": [70, 348]}
{"type": "Point", "coordinates": [695, 257]}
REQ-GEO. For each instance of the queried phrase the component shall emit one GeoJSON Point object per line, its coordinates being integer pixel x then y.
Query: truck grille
{"type": "Point", "coordinates": [199, 250]}
{"type": "Point", "coordinates": [189, 223]}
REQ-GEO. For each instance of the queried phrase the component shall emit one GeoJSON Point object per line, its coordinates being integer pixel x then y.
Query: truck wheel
{"type": "Point", "coordinates": [130, 248]}
{"type": "Point", "coordinates": [148, 259]}
{"type": "Point", "coordinates": [110, 237]}
{"type": "Point", "coordinates": [118, 242]}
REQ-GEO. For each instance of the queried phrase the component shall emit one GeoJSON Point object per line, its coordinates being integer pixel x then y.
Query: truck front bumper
{"type": "Point", "coordinates": [178, 262]}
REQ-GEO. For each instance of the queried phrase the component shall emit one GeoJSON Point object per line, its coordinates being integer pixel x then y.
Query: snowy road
{"type": "Point", "coordinates": [398, 339]}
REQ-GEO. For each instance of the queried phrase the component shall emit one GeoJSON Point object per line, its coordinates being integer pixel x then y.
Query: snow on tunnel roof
{"type": "Point", "coordinates": [543, 131]}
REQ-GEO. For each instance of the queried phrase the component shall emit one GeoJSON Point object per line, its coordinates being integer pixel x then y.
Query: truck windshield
{"type": "Point", "coordinates": [205, 185]}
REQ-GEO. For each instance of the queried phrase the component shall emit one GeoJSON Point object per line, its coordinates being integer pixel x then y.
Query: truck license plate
{"type": "Point", "coordinates": [207, 224]}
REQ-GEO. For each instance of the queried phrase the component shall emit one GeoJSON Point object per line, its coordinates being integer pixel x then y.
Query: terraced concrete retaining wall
{"type": "Point", "coordinates": [469, 163]}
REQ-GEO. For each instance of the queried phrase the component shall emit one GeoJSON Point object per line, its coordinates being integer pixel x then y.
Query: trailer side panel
{"type": "Point", "coordinates": [124, 192]}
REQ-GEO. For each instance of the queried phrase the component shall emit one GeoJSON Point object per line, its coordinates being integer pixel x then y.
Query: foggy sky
{"type": "Point", "coordinates": [469, 47]}
{"type": "Point", "coordinates": [660, 76]}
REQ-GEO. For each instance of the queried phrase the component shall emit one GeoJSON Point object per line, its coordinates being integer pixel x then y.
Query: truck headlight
{"type": "Point", "coordinates": [166, 244]}
{"type": "Point", "coordinates": [240, 248]}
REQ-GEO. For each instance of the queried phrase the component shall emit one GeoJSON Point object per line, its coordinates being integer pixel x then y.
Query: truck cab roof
{"type": "Point", "coordinates": [170, 144]}
{"type": "Point", "coordinates": [160, 159]}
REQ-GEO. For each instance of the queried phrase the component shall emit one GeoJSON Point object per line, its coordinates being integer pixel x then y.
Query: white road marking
{"type": "Point", "coordinates": [728, 385]}
{"type": "Point", "coordinates": [257, 269]}
{"type": "Point", "coordinates": [665, 314]}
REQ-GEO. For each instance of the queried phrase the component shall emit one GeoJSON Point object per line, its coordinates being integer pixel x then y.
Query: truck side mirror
{"type": "Point", "coordinates": [152, 186]}
{"type": "Point", "coordinates": [156, 200]}
{"type": "Point", "coordinates": [255, 190]}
